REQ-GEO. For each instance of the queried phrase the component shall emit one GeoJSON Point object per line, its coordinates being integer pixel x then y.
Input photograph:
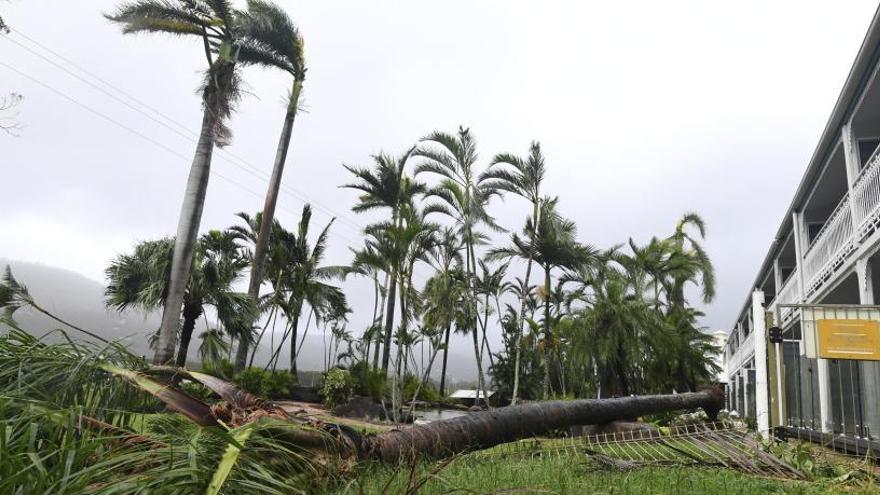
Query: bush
{"type": "Point", "coordinates": [427, 393]}
{"type": "Point", "coordinates": [253, 380]}
{"type": "Point", "coordinates": [368, 382]}
{"type": "Point", "coordinates": [277, 385]}
{"type": "Point", "coordinates": [337, 387]}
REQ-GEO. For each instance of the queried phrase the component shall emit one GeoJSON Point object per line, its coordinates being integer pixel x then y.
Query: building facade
{"type": "Point", "coordinates": [825, 253]}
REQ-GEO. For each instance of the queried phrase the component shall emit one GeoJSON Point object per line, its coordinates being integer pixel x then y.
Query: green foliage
{"type": "Point", "coordinates": [337, 387]}
{"type": "Point", "coordinates": [220, 369]}
{"type": "Point", "coordinates": [277, 385]}
{"type": "Point", "coordinates": [369, 382]}
{"type": "Point", "coordinates": [253, 380]}
{"type": "Point", "coordinates": [571, 472]}
{"type": "Point", "coordinates": [197, 390]}
{"type": "Point", "coordinates": [427, 393]}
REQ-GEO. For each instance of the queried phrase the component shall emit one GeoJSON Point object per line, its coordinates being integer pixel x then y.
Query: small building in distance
{"type": "Point", "coordinates": [469, 397]}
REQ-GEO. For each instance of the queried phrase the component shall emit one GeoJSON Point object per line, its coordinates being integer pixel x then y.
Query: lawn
{"type": "Point", "coordinates": [568, 472]}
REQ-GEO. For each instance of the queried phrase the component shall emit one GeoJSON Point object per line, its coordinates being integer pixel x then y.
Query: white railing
{"type": "Point", "coordinates": [790, 293]}
{"type": "Point", "coordinates": [866, 197]}
{"type": "Point", "coordinates": [830, 247]}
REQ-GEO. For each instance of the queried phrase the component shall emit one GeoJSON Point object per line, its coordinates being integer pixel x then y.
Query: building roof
{"type": "Point", "coordinates": [464, 393]}
{"type": "Point", "coordinates": [856, 80]}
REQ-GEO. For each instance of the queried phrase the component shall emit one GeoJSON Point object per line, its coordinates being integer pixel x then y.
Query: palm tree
{"type": "Point", "coordinates": [213, 22]}
{"type": "Point", "coordinates": [463, 196]}
{"type": "Point", "coordinates": [140, 280]}
{"type": "Point", "coordinates": [269, 30]}
{"type": "Point", "coordinates": [693, 262]}
{"type": "Point", "coordinates": [303, 279]}
{"type": "Point", "coordinates": [611, 335]}
{"type": "Point", "coordinates": [553, 245]}
{"type": "Point", "coordinates": [523, 178]}
{"type": "Point", "coordinates": [445, 292]}
{"type": "Point", "coordinates": [213, 347]}
{"type": "Point", "coordinates": [386, 186]}
{"type": "Point", "coordinates": [490, 285]}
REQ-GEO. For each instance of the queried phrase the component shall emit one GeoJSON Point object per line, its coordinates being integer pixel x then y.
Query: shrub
{"type": "Point", "coordinates": [253, 380]}
{"type": "Point", "coordinates": [368, 382]}
{"type": "Point", "coordinates": [277, 385]}
{"type": "Point", "coordinates": [337, 387]}
{"type": "Point", "coordinates": [427, 393]}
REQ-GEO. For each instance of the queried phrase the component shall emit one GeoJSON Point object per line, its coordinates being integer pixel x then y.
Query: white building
{"type": "Point", "coordinates": [825, 252]}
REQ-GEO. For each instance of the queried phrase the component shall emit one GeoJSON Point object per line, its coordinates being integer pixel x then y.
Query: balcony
{"type": "Point", "coordinates": [866, 198]}
{"type": "Point", "coordinates": [789, 294]}
{"type": "Point", "coordinates": [830, 247]}
{"type": "Point", "coordinates": [845, 228]}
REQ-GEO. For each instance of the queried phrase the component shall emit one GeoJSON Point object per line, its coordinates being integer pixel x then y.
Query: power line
{"type": "Point", "coordinates": [181, 130]}
{"type": "Point", "coordinates": [247, 167]}
{"type": "Point", "coordinates": [135, 132]}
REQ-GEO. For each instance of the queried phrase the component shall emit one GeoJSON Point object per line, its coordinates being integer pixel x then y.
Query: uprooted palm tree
{"type": "Point", "coordinates": [269, 31]}
{"type": "Point", "coordinates": [214, 24]}
{"type": "Point", "coordinates": [140, 280]}
{"type": "Point", "coordinates": [242, 443]}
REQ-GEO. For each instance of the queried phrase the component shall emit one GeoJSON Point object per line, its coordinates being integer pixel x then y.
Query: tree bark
{"type": "Point", "coordinates": [293, 331]}
{"type": "Point", "coordinates": [548, 339]}
{"type": "Point", "coordinates": [191, 313]}
{"type": "Point", "coordinates": [522, 307]}
{"type": "Point", "coordinates": [445, 360]}
{"type": "Point", "coordinates": [489, 428]}
{"type": "Point", "coordinates": [389, 323]}
{"type": "Point", "coordinates": [186, 238]}
{"type": "Point", "coordinates": [268, 216]}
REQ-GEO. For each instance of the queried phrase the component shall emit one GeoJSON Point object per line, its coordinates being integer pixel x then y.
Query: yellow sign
{"type": "Point", "coordinates": [849, 339]}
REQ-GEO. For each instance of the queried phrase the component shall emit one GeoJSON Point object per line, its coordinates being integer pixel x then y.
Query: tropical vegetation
{"type": "Point", "coordinates": [545, 314]}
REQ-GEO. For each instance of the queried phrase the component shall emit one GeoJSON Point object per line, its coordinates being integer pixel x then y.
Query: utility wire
{"type": "Point", "coordinates": [171, 124]}
{"type": "Point", "coordinates": [183, 131]}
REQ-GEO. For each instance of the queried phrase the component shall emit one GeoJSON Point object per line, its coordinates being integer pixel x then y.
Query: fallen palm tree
{"type": "Point", "coordinates": [489, 428]}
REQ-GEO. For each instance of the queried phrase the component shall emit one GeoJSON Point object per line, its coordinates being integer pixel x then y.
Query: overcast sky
{"type": "Point", "coordinates": [645, 110]}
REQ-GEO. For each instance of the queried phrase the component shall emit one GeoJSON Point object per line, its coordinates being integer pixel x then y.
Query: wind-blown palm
{"type": "Point", "coordinates": [213, 22]}
{"type": "Point", "coordinates": [693, 263]}
{"type": "Point", "coordinates": [269, 38]}
{"type": "Point", "coordinates": [303, 279]}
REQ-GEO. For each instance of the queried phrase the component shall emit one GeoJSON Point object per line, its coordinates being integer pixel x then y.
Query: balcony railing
{"type": "Point", "coordinates": [830, 247]}
{"type": "Point", "coordinates": [790, 293]}
{"type": "Point", "coordinates": [866, 198]}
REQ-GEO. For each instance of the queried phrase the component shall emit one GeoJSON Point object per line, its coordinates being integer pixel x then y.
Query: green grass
{"type": "Point", "coordinates": [571, 473]}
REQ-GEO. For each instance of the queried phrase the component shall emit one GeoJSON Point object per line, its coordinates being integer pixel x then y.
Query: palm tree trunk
{"type": "Point", "coordinates": [268, 217]}
{"type": "Point", "coordinates": [191, 313]}
{"type": "Point", "coordinates": [293, 330]}
{"type": "Point", "coordinates": [548, 339]}
{"type": "Point", "coordinates": [522, 308]}
{"type": "Point", "coordinates": [186, 238]}
{"type": "Point", "coordinates": [489, 428]}
{"type": "Point", "coordinates": [445, 360]}
{"type": "Point", "coordinates": [379, 338]}
{"type": "Point", "coordinates": [389, 323]}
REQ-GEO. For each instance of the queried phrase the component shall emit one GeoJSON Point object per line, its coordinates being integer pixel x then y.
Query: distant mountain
{"type": "Point", "coordinates": [80, 301]}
